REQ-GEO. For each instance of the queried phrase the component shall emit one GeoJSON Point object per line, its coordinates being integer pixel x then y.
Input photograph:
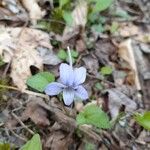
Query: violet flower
{"type": "Point", "coordinates": [70, 83]}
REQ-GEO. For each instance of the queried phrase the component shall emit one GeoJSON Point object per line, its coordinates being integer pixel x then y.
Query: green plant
{"type": "Point", "coordinates": [143, 119]}
{"type": "Point", "coordinates": [4, 146]}
{"type": "Point", "coordinates": [40, 80]}
{"type": "Point", "coordinates": [106, 70]}
{"type": "Point", "coordinates": [62, 54]}
{"type": "Point", "coordinates": [101, 5]}
{"type": "Point", "coordinates": [93, 115]}
{"type": "Point", "coordinates": [33, 144]}
{"type": "Point", "coordinates": [1, 62]}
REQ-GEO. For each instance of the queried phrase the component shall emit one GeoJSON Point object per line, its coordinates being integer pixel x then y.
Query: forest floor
{"type": "Point", "coordinates": [111, 39]}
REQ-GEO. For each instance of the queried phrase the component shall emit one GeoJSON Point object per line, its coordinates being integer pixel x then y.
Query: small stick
{"type": "Point", "coordinates": [23, 125]}
{"type": "Point", "coordinates": [19, 137]}
{"type": "Point", "coordinates": [24, 91]}
{"type": "Point", "coordinates": [36, 94]}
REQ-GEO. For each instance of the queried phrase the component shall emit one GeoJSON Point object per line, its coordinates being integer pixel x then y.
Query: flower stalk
{"type": "Point", "coordinates": [69, 55]}
{"type": "Point", "coordinates": [70, 83]}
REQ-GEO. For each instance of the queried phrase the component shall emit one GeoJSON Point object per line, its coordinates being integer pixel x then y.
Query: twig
{"type": "Point", "coordinates": [15, 128]}
{"type": "Point", "coordinates": [36, 94]}
{"type": "Point", "coordinates": [19, 137]}
{"type": "Point", "coordinates": [23, 125]}
{"type": "Point", "coordinates": [24, 91]}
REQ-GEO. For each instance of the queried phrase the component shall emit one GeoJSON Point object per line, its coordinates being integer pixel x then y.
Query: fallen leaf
{"type": "Point", "coordinates": [143, 137]}
{"type": "Point", "coordinates": [80, 45]}
{"type": "Point", "coordinates": [58, 140]}
{"type": "Point", "coordinates": [104, 49]}
{"type": "Point", "coordinates": [17, 19]}
{"type": "Point", "coordinates": [145, 48]}
{"type": "Point", "coordinates": [126, 52]}
{"type": "Point", "coordinates": [11, 5]}
{"type": "Point", "coordinates": [48, 56]}
{"type": "Point", "coordinates": [91, 64]}
{"type": "Point", "coordinates": [36, 113]}
{"type": "Point", "coordinates": [79, 16]}
{"type": "Point", "coordinates": [129, 29]}
{"type": "Point", "coordinates": [34, 10]}
{"type": "Point", "coordinates": [19, 46]}
{"type": "Point", "coordinates": [116, 99]}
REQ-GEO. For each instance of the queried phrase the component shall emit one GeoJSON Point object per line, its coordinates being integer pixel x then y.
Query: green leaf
{"type": "Point", "coordinates": [33, 144]}
{"type": "Point", "coordinates": [62, 3]}
{"type": "Point", "coordinates": [143, 120]}
{"type": "Point", "coordinates": [73, 60]}
{"type": "Point", "coordinates": [101, 5]}
{"type": "Point", "coordinates": [122, 13]}
{"type": "Point", "coordinates": [92, 17]}
{"type": "Point", "coordinates": [67, 15]}
{"type": "Point", "coordinates": [62, 54]}
{"type": "Point", "coordinates": [40, 80]}
{"type": "Point", "coordinates": [99, 86]}
{"type": "Point", "coordinates": [58, 25]}
{"type": "Point", "coordinates": [4, 146]}
{"type": "Point", "coordinates": [114, 27]}
{"type": "Point", "coordinates": [43, 25]}
{"type": "Point", "coordinates": [1, 62]}
{"type": "Point", "coordinates": [90, 146]}
{"type": "Point", "coordinates": [106, 70]}
{"type": "Point", "coordinates": [93, 115]}
{"type": "Point", "coordinates": [98, 28]}
{"type": "Point", "coordinates": [74, 53]}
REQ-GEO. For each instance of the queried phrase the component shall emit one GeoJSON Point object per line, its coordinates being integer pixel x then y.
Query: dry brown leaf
{"type": "Point", "coordinates": [91, 64]}
{"type": "Point", "coordinates": [117, 99]}
{"type": "Point", "coordinates": [12, 12]}
{"type": "Point", "coordinates": [19, 46]}
{"type": "Point", "coordinates": [131, 30]}
{"type": "Point", "coordinates": [79, 16]}
{"type": "Point", "coordinates": [126, 52]}
{"type": "Point", "coordinates": [36, 113]}
{"type": "Point", "coordinates": [80, 45]}
{"type": "Point", "coordinates": [58, 140]}
{"type": "Point", "coordinates": [34, 10]}
{"type": "Point", "coordinates": [128, 29]}
{"type": "Point", "coordinates": [104, 50]}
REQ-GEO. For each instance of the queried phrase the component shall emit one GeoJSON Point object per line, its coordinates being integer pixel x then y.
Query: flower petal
{"type": "Point", "coordinates": [54, 88]}
{"type": "Point", "coordinates": [66, 74]}
{"type": "Point", "coordinates": [79, 75]}
{"type": "Point", "coordinates": [81, 93]}
{"type": "Point", "coordinates": [68, 96]}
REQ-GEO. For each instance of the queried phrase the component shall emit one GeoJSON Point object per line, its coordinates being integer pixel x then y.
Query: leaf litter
{"type": "Point", "coordinates": [124, 49]}
{"type": "Point", "coordinates": [18, 46]}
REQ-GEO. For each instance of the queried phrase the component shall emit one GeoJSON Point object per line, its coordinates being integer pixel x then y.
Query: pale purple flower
{"type": "Point", "coordinates": [70, 84]}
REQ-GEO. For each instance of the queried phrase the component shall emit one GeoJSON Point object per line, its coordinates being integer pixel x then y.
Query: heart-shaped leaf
{"type": "Point", "coordinates": [143, 120]}
{"type": "Point", "coordinates": [93, 115]}
{"type": "Point", "coordinates": [40, 80]}
{"type": "Point", "coordinates": [33, 144]}
{"type": "Point", "coordinates": [101, 5]}
{"type": "Point", "coordinates": [106, 70]}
